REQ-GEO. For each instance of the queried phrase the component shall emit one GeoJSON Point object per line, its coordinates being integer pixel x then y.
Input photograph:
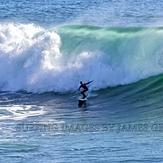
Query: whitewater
{"type": "Point", "coordinates": [35, 59]}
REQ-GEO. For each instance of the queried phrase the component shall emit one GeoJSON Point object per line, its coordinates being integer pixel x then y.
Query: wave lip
{"type": "Point", "coordinates": [57, 59]}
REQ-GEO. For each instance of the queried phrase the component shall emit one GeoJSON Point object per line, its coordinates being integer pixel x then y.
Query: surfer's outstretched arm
{"type": "Point", "coordinates": [89, 82]}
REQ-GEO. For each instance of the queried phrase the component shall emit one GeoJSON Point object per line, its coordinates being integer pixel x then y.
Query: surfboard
{"type": "Point", "coordinates": [82, 101]}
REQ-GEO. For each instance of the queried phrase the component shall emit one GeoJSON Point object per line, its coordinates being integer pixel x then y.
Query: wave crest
{"type": "Point", "coordinates": [40, 60]}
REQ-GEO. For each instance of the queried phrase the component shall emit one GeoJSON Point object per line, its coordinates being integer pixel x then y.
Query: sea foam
{"type": "Point", "coordinates": [35, 59]}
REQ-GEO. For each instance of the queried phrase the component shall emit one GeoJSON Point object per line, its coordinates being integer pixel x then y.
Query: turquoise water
{"type": "Point", "coordinates": [47, 48]}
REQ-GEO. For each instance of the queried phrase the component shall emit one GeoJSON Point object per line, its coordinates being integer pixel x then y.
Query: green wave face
{"type": "Point", "coordinates": [138, 52]}
{"type": "Point", "coordinates": [112, 41]}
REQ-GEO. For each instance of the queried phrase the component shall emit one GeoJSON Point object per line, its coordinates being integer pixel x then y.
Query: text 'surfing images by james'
{"type": "Point", "coordinates": [81, 81]}
{"type": "Point", "coordinates": [86, 128]}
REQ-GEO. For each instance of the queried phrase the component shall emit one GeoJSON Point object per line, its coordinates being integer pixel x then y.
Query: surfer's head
{"type": "Point", "coordinates": [81, 82]}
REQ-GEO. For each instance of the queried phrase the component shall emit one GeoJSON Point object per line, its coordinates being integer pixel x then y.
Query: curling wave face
{"type": "Point", "coordinates": [35, 59]}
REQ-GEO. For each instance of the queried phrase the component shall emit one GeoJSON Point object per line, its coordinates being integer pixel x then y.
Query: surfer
{"type": "Point", "coordinates": [83, 85]}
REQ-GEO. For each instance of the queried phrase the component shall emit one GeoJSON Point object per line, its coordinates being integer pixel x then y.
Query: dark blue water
{"type": "Point", "coordinates": [99, 13]}
{"type": "Point", "coordinates": [47, 48]}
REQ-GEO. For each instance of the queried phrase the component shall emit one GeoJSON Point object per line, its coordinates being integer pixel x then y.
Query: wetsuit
{"type": "Point", "coordinates": [83, 85]}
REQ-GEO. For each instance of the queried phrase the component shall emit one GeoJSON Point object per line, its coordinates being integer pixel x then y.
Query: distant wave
{"type": "Point", "coordinates": [35, 59]}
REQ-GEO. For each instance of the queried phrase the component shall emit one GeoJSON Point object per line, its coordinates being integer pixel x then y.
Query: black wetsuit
{"type": "Point", "coordinates": [85, 88]}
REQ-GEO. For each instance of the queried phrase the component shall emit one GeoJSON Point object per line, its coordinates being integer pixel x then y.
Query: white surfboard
{"type": "Point", "coordinates": [83, 99]}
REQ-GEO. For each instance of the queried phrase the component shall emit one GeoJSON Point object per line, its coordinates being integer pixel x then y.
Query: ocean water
{"type": "Point", "coordinates": [48, 47]}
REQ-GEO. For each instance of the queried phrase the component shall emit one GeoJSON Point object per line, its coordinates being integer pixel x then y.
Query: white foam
{"type": "Point", "coordinates": [19, 112]}
{"type": "Point", "coordinates": [31, 60]}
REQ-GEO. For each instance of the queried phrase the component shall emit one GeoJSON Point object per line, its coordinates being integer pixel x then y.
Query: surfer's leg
{"type": "Point", "coordinates": [84, 96]}
{"type": "Point", "coordinates": [82, 92]}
